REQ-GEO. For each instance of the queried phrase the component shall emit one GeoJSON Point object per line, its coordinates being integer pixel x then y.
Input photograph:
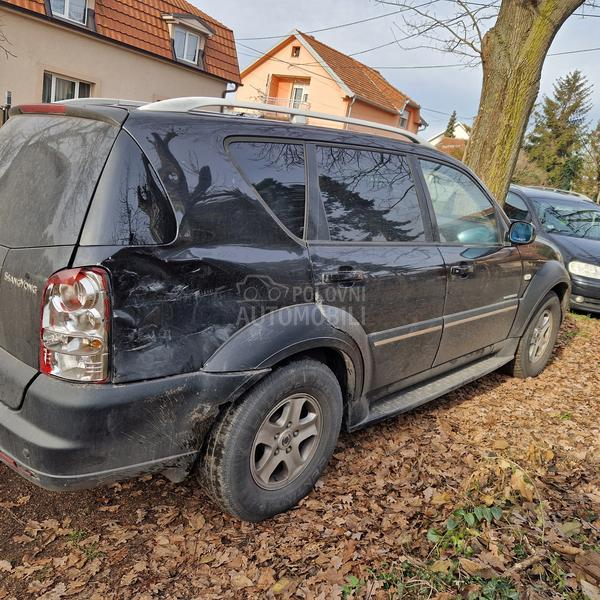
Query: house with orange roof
{"type": "Point", "coordinates": [302, 72]}
{"type": "Point", "coordinates": [135, 49]}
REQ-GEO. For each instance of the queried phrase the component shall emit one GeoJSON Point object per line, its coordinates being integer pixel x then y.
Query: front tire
{"type": "Point", "coordinates": [268, 450]}
{"type": "Point", "coordinates": [538, 341]}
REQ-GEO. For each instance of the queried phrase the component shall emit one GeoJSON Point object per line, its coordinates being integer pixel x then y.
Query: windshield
{"type": "Point", "coordinates": [576, 219]}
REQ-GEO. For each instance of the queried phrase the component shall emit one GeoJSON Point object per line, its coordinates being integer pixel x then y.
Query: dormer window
{"type": "Point", "coordinates": [189, 34]}
{"type": "Point", "coordinates": [72, 10]}
{"type": "Point", "coordinates": [186, 44]}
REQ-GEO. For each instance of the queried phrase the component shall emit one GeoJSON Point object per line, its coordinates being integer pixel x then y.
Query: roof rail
{"type": "Point", "coordinates": [101, 102]}
{"type": "Point", "coordinates": [560, 191]}
{"type": "Point", "coordinates": [190, 104]}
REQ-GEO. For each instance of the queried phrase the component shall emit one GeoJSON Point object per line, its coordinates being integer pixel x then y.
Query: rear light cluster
{"type": "Point", "coordinates": [75, 320]}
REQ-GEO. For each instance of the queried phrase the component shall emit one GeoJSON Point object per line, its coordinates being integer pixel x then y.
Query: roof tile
{"type": "Point", "coordinates": [139, 23]}
{"type": "Point", "coordinates": [362, 80]}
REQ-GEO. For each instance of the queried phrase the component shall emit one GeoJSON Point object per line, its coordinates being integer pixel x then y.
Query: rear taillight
{"type": "Point", "coordinates": [75, 320]}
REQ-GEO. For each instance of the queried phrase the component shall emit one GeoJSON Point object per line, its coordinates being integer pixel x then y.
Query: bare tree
{"type": "Point", "coordinates": [4, 43]}
{"type": "Point", "coordinates": [510, 39]}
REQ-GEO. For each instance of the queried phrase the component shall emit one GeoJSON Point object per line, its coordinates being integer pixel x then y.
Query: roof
{"type": "Point", "coordinates": [551, 194]}
{"type": "Point", "coordinates": [458, 127]}
{"type": "Point", "coordinates": [367, 83]}
{"type": "Point", "coordinates": [447, 143]}
{"type": "Point", "coordinates": [361, 80]}
{"type": "Point", "coordinates": [139, 24]}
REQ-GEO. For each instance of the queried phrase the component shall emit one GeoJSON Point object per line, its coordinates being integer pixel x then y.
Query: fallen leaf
{"type": "Point", "coordinates": [591, 591]}
{"type": "Point", "coordinates": [441, 498]}
{"type": "Point", "coordinates": [566, 549]}
{"type": "Point", "coordinates": [441, 566]}
{"type": "Point", "coordinates": [477, 568]}
{"type": "Point", "coordinates": [518, 483]}
{"type": "Point", "coordinates": [239, 581]}
{"type": "Point", "coordinates": [5, 566]}
{"type": "Point", "coordinates": [281, 585]}
{"type": "Point", "coordinates": [110, 509]}
{"type": "Point", "coordinates": [197, 521]}
{"type": "Point", "coordinates": [570, 528]}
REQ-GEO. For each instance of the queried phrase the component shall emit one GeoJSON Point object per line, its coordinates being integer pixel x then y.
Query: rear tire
{"type": "Point", "coordinates": [268, 450]}
{"type": "Point", "coordinates": [538, 341]}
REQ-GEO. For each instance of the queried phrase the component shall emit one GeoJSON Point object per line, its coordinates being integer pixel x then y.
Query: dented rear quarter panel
{"type": "Point", "coordinates": [175, 305]}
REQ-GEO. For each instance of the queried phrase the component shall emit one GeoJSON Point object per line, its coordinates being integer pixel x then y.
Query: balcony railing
{"type": "Point", "coordinates": [289, 102]}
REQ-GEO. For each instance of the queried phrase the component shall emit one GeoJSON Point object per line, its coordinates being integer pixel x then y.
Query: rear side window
{"type": "Point", "coordinates": [276, 170]}
{"type": "Point", "coordinates": [369, 196]}
{"type": "Point", "coordinates": [130, 207]}
{"type": "Point", "coordinates": [49, 167]}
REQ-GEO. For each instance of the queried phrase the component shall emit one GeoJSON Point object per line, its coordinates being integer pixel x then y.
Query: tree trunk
{"type": "Point", "coordinates": [514, 51]}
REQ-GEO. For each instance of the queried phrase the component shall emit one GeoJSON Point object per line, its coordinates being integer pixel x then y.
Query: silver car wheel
{"type": "Point", "coordinates": [286, 441]}
{"type": "Point", "coordinates": [541, 336]}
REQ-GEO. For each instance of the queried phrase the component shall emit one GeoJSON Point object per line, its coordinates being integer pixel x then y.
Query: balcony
{"type": "Point", "coordinates": [289, 102]}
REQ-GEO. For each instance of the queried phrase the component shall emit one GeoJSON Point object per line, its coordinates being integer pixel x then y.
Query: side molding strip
{"type": "Point", "coordinates": [398, 338]}
{"type": "Point", "coordinates": [483, 315]}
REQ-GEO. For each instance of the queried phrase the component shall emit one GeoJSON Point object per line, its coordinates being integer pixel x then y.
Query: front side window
{"type": "Point", "coordinates": [515, 208]}
{"type": "Point", "coordinates": [186, 44]}
{"type": "Point", "coordinates": [276, 170]}
{"type": "Point", "coordinates": [73, 10]}
{"type": "Point", "coordinates": [464, 214]}
{"type": "Point", "coordinates": [369, 196]}
{"type": "Point", "coordinates": [57, 88]}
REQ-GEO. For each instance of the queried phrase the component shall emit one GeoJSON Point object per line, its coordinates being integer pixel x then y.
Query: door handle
{"type": "Point", "coordinates": [462, 270]}
{"type": "Point", "coordinates": [342, 276]}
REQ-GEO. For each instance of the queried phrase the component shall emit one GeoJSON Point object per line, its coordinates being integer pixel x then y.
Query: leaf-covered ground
{"type": "Point", "coordinates": [490, 492]}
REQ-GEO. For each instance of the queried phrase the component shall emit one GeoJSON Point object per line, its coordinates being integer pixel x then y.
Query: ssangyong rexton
{"type": "Point", "coordinates": [186, 289]}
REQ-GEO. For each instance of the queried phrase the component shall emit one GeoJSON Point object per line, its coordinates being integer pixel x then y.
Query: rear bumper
{"type": "Point", "coordinates": [69, 436]}
{"type": "Point", "coordinates": [585, 295]}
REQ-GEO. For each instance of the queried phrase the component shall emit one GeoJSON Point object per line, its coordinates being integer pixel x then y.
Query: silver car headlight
{"type": "Point", "coordinates": [584, 269]}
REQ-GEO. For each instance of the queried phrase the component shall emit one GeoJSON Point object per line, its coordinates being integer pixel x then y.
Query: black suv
{"type": "Point", "coordinates": [192, 289]}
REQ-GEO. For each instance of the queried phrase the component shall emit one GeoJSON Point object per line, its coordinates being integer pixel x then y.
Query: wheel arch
{"type": "Point", "coordinates": [327, 334]}
{"type": "Point", "coordinates": [552, 277]}
{"type": "Point", "coordinates": [344, 369]}
{"type": "Point", "coordinates": [562, 290]}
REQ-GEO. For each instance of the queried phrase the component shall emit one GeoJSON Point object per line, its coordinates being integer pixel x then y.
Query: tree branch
{"type": "Point", "coordinates": [5, 43]}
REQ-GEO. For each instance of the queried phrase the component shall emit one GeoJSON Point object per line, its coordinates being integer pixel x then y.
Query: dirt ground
{"type": "Point", "coordinates": [490, 492]}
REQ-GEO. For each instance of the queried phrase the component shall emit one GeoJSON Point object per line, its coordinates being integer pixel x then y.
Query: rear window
{"type": "Point", "coordinates": [276, 170]}
{"type": "Point", "coordinates": [49, 167]}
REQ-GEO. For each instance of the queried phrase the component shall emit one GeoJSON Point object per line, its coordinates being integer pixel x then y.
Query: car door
{"type": "Point", "coordinates": [373, 257]}
{"type": "Point", "coordinates": [484, 271]}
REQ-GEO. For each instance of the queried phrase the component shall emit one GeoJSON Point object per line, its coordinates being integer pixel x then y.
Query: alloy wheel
{"type": "Point", "coordinates": [286, 441]}
{"type": "Point", "coordinates": [541, 336]}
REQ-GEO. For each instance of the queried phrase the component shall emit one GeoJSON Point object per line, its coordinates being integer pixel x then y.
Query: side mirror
{"type": "Point", "coordinates": [521, 233]}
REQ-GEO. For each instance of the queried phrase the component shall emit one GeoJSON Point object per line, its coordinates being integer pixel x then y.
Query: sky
{"type": "Point", "coordinates": [440, 90]}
